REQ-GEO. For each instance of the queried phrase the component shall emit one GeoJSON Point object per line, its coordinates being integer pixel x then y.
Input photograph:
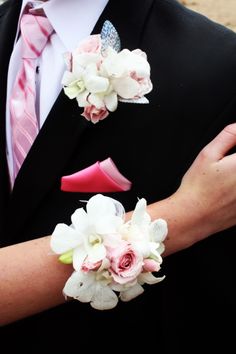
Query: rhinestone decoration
{"type": "Point", "coordinates": [110, 37]}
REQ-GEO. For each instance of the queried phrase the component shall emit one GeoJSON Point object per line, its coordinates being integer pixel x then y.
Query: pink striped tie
{"type": "Point", "coordinates": [35, 32]}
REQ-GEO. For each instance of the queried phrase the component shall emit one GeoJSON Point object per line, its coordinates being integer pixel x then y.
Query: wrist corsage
{"type": "Point", "coordinates": [112, 259]}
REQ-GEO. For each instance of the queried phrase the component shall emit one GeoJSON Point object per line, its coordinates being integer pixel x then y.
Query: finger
{"type": "Point", "coordinates": [230, 162]}
{"type": "Point", "coordinates": [222, 143]}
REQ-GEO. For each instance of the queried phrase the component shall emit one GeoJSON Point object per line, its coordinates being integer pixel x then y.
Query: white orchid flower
{"type": "Point", "coordinates": [85, 235]}
{"type": "Point", "coordinates": [125, 69]}
{"type": "Point", "coordinates": [73, 82]}
{"type": "Point", "coordinates": [91, 287]}
{"type": "Point", "coordinates": [147, 236]}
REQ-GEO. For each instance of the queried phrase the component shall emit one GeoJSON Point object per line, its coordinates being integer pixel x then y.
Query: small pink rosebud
{"type": "Point", "coordinates": [95, 114]}
{"type": "Point", "coordinates": [150, 265]}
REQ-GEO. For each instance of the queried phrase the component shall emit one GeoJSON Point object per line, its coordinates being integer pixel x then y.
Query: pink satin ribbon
{"type": "Point", "coordinates": [100, 177]}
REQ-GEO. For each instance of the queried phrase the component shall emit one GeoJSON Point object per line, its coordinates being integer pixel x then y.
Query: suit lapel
{"type": "Point", "coordinates": [8, 23]}
{"type": "Point", "coordinates": [128, 17]}
{"type": "Point", "coordinates": [64, 126]}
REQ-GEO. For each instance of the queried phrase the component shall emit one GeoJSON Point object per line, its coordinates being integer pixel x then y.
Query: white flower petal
{"type": "Point", "coordinates": [149, 278]}
{"type": "Point", "coordinates": [135, 62]}
{"type": "Point", "coordinates": [111, 101]}
{"type": "Point", "coordinates": [108, 225]}
{"type": "Point", "coordinates": [64, 238]}
{"type": "Point", "coordinates": [158, 230]}
{"type": "Point", "coordinates": [85, 59]}
{"type": "Point", "coordinates": [100, 206]}
{"type": "Point", "coordinates": [154, 251]}
{"type": "Point", "coordinates": [96, 253]}
{"type": "Point", "coordinates": [111, 65]}
{"type": "Point", "coordinates": [80, 286]}
{"type": "Point", "coordinates": [105, 265]}
{"type": "Point", "coordinates": [142, 247]}
{"type": "Point", "coordinates": [71, 91]}
{"type": "Point", "coordinates": [104, 298]}
{"type": "Point", "coordinates": [112, 240]}
{"type": "Point", "coordinates": [140, 52]}
{"type": "Point", "coordinates": [68, 78]}
{"type": "Point", "coordinates": [126, 87]}
{"type": "Point", "coordinates": [140, 217]}
{"type": "Point", "coordinates": [80, 220]}
{"type": "Point", "coordinates": [96, 101]}
{"type": "Point", "coordinates": [78, 72]}
{"type": "Point", "coordinates": [82, 98]}
{"type": "Point", "coordinates": [131, 292]}
{"type": "Point", "coordinates": [91, 69]}
{"type": "Point", "coordinates": [96, 84]}
{"type": "Point", "coordinates": [140, 100]}
{"type": "Point", "coordinates": [79, 256]}
{"type": "Point", "coordinates": [161, 248]}
{"type": "Point", "coordinates": [118, 287]}
{"type": "Point", "coordinates": [120, 210]}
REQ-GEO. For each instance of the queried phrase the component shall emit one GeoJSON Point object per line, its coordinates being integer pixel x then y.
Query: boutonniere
{"type": "Point", "coordinates": [99, 74]}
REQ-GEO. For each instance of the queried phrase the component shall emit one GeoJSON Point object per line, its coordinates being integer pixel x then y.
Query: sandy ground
{"type": "Point", "coordinates": [222, 11]}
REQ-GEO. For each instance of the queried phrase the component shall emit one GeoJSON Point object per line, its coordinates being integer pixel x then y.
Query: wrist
{"type": "Point", "coordinates": [186, 225]}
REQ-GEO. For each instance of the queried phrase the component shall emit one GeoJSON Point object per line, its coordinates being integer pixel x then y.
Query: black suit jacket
{"type": "Point", "coordinates": [193, 69]}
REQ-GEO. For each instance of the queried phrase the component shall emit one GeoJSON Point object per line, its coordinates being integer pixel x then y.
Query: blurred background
{"type": "Point", "coordinates": [222, 11]}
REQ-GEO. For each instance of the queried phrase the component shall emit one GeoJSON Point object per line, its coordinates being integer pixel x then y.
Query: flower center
{"type": "Point", "coordinates": [126, 262]}
{"type": "Point", "coordinates": [95, 240]}
{"type": "Point", "coordinates": [104, 277]}
{"type": "Point", "coordinates": [80, 86]}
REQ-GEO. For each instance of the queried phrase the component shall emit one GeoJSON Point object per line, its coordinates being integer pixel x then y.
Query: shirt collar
{"type": "Point", "coordinates": [72, 20]}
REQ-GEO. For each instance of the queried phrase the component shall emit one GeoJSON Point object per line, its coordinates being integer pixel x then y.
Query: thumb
{"type": "Point", "coordinates": [222, 143]}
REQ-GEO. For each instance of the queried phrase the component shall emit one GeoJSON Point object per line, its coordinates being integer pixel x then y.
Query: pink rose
{"type": "Point", "coordinates": [95, 114]}
{"type": "Point", "coordinates": [126, 263]}
{"type": "Point", "coordinates": [92, 44]}
{"type": "Point", "coordinates": [151, 266]}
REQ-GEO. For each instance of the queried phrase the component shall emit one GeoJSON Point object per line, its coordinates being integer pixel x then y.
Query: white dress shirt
{"type": "Point", "coordinates": [72, 20]}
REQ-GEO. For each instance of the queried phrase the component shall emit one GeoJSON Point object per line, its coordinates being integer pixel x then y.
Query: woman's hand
{"type": "Point", "coordinates": [205, 202]}
{"type": "Point", "coordinates": [210, 183]}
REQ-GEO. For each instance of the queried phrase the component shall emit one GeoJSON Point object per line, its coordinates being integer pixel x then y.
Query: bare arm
{"type": "Point", "coordinates": [31, 278]}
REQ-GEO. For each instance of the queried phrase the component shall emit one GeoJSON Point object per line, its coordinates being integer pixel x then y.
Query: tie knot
{"type": "Point", "coordinates": [35, 32]}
